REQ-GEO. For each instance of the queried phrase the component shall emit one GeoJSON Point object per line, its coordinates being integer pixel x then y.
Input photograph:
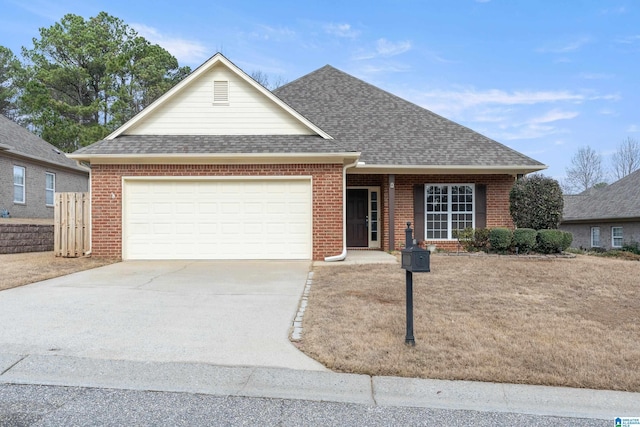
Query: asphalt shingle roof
{"type": "Point", "coordinates": [386, 129]}
{"type": "Point", "coordinates": [620, 200]}
{"type": "Point", "coordinates": [19, 141]}
{"type": "Point", "coordinates": [389, 130]}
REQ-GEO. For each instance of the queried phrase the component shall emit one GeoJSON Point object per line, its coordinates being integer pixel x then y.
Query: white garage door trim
{"type": "Point", "coordinates": [239, 217]}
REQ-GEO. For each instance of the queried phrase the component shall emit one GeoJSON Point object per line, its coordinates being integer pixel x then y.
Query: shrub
{"type": "Point", "coordinates": [567, 239]}
{"type": "Point", "coordinates": [481, 239]}
{"type": "Point", "coordinates": [500, 239]}
{"type": "Point", "coordinates": [524, 239]}
{"type": "Point", "coordinates": [536, 201]}
{"type": "Point", "coordinates": [550, 241]}
{"type": "Point", "coordinates": [633, 247]}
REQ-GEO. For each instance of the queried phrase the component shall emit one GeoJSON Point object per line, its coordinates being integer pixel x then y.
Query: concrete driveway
{"type": "Point", "coordinates": [219, 312]}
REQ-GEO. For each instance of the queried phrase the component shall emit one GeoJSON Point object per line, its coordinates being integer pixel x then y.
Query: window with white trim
{"type": "Point", "coordinates": [616, 237]}
{"type": "Point", "coordinates": [19, 195]}
{"type": "Point", "coordinates": [595, 237]}
{"type": "Point", "coordinates": [448, 207]}
{"type": "Point", "coordinates": [49, 187]}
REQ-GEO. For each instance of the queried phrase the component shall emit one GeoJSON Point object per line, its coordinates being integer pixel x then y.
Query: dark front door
{"type": "Point", "coordinates": [357, 218]}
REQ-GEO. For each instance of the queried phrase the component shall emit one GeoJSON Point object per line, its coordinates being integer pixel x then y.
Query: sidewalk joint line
{"type": "Point", "coordinates": [10, 367]}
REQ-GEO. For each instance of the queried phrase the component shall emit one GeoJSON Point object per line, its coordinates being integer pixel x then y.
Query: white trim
{"type": "Point", "coordinates": [445, 170]}
{"type": "Point", "coordinates": [216, 59]}
{"type": "Point", "coordinates": [591, 239]}
{"type": "Point", "coordinates": [449, 213]}
{"type": "Point", "coordinates": [613, 237]}
{"type": "Point", "coordinates": [23, 185]}
{"type": "Point", "coordinates": [53, 190]}
{"type": "Point", "coordinates": [371, 244]}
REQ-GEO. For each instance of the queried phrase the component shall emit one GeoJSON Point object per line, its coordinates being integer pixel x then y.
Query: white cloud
{"type": "Point", "coordinates": [186, 51]}
{"type": "Point", "coordinates": [267, 32]}
{"type": "Point", "coordinates": [629, 39]}
{"type": "Point", "coordinates": [554, 115]}
{"type": "Point", "coordinates": [341, 30]}
{"type": "Point", "coordinates": [386, 48]}
{"type": "Point", "coordinates": [565, 47]}
{"type": "Point", "coordinates": [596, 76]}
{"type": "Point", "coordinates": [633, 128]}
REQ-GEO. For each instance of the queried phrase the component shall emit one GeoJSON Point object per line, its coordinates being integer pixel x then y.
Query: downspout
{"type": "Point", "coordinates": [87, 254]}
{"type": "Point", "coordinates": [343, 255]}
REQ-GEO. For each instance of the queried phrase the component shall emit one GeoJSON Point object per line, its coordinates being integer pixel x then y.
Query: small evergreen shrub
{"type": "Point", "coordinates": [500, 239]}
{"type": "Point", "coordinates": [567, 239]}
{"type": "Point", "coordinates": [633, 247]}
{"type": "Point", "coordinates": [524, 239]}
{"type": "Point", "coordinates": [550, 241]}
{"type": "Point", "coordinates": [481, 239]}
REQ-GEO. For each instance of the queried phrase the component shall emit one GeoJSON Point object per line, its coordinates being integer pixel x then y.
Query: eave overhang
{"type": "Point", "coordinates": [445, 169]}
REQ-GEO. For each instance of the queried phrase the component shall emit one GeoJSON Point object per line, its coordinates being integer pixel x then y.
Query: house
{"type": "Point", "coordinates": [605, 218]}
{"type": "Point", "coordinates": [31, 171]}
{"type": "Point", "coordinates": [221, 168]}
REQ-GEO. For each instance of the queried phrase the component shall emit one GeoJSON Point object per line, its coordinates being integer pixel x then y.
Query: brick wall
{"type": "Point", "coordinates": [498, 188]}
{"type": "Point", "coordinates": [19, 238]}
{"type": "Point", "coordinates": [106, 192]}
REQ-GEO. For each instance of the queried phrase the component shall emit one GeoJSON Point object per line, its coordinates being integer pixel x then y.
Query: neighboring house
{"type": "Point", "coordinates": [31, 171]}
{"type": "Point", "coordinates": [605, 218]}
{"type": "Point", "coordinates": [221, 168]}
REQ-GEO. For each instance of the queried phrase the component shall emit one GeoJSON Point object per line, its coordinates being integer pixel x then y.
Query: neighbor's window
{"type": "Point", "coordinates": [19, 184]}
{"type": "Point", "coordinates": [616, 237]}
{"type": "Point", "coordinates": [50, 187]}
{"type": "Point", "coordinates": [448, 207]}
{"type": "Point", "coordinates": [595, 237]}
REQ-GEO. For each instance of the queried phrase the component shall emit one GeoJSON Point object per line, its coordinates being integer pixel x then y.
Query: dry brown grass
{"type": "Point", "coordinates": [21, 269]}
{"type": "Point", "coordinates": [563, 322]}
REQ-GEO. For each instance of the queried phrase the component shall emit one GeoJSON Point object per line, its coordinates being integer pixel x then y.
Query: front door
{"type": "Point", "coordinates": [357, 218]}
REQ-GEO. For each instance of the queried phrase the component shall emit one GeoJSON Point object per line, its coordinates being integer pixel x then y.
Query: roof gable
{"type": "Point", "coordinates": [189, 108]}
{"type": "Point", "coordinates": [620, 200]}
{"type": "Point", "coordinates": [390, 131]}
{"type": "Point", "coordinates": [18, 141]}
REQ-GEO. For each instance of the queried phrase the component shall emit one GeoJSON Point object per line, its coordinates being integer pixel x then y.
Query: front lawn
{"type": "Point", "coordinates": [562, 322]}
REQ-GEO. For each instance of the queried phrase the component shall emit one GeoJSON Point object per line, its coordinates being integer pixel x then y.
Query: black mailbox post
{"type": "Point", "coordinates": [414, 259]}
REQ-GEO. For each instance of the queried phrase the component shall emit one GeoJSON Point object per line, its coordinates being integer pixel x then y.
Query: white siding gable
{"type": "Point", "coordinates": [192, 111]}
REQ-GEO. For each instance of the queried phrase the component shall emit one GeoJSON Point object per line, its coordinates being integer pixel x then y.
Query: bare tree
{"type": "Point", "coordinates": [263, 78]}
{"type": "Point", "coordinates": [626, 159]}
{"type": "Point", "coordinates": [585, 171]}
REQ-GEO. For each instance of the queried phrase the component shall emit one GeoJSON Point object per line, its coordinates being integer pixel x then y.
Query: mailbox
{"type": "Point", "coordinates": [415, 259]}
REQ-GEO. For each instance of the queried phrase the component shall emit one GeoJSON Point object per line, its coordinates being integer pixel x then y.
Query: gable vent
{"type": "Point", "coordinates": [221, 92]}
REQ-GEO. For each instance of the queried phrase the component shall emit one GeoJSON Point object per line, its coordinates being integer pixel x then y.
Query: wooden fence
{"type": "Point", "coordinates": [72, 225]}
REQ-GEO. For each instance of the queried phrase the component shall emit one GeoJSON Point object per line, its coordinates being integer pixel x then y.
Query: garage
{"type": "Point", "coordinates": [217, 218]}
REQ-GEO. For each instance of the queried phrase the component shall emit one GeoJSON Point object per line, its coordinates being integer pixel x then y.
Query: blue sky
{"type": "Point", "coordinates": [543, 77]}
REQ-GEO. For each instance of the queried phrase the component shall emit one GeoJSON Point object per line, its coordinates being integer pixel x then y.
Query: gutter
{"type": "Point", "coordinates": [343, 255]}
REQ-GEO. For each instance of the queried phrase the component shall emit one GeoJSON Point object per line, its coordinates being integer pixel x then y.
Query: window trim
{"type": "Point", "coordinates": [52, 190]}
{"type": "Point", "coordinates": [449, 212]}
{"type": "Point", "coordinates": [23, 185]}
{"type": "Point", "coordinates": [592, 240]}
{"type": "Point", "coordinates": [613, 237]}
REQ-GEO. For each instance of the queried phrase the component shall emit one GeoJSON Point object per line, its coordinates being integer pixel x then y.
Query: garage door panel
{"type": "Point", "coordinates": [227, 219]}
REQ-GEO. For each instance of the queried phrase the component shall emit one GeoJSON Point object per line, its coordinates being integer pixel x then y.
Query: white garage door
{"type": "Point", "coordinates": [217, 219]}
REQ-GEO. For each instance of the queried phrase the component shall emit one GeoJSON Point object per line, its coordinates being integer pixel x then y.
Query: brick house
{"type": "Point", "coordinates": [221, 168]}
{"type": "Point", "coordinates": [31, 171]}
{"type": "Point", "coordinates": [605, 218]}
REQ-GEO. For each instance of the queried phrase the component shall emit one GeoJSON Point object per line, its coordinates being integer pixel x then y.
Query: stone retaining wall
{"type": "Point", "coordinates": [18, 238]}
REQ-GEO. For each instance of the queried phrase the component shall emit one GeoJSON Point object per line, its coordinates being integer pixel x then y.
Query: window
{"type": "Point", "coordinates": [616, 237]}
{"type": "Point", "coordinates": [19, 185]}
{"type": "Point", "coordinates": [221, 92]}
{"type": "Point", "coordinates": [449, 207]}
{"type": "Point", "coordinates": [595, 237]}
{"type": "Point", "coordinates": [50, 188]}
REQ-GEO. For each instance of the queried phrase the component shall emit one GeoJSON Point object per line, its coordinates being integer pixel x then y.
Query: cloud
{"type": "Point", "coordinates": [186, 51]}
{"type": "Point", "coordinates": [554, 115]}
{"type": "Point", "coordinates": [267, 32]}
{"type": "Point", "coordinates": [341, 30]}
{"type": "Point", "coordinates": [633, 128]}
{"type": "Point", "coordinates": [595, 76]}
{"type": "Point", "coordinates": [386, 48]}
{"type": "Point", "coordinates": [565, 47]}
{"type": "Point", "coordinates": [629, 39]}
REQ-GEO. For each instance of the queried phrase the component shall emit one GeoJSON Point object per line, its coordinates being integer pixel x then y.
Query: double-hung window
{"type": "Point", "coordinates": [19, 195]}
{"type": "Point", "coordinates": [50, 188]}
{"type": "Point", "coordinates": [448, 207]}
{"type": "Point", "coordinates": [616, 237]}
{"type": "Point", "coordinates": [595, 237]}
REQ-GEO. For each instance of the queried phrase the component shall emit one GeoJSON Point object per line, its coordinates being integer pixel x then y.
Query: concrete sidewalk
{"type": "Point", "coordinates": [282, 383]}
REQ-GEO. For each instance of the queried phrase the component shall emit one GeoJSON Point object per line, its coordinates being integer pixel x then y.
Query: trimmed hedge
{"type": "Point", "coordinates": [552, 241]}
{"type": "Point", "coordinates": [500, 239]}
{"type": "Point", "coordinates": [525, 239]}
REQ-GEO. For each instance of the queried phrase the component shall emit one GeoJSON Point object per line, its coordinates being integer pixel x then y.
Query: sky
{"type": "Point", "coordinates": [544, 77]}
